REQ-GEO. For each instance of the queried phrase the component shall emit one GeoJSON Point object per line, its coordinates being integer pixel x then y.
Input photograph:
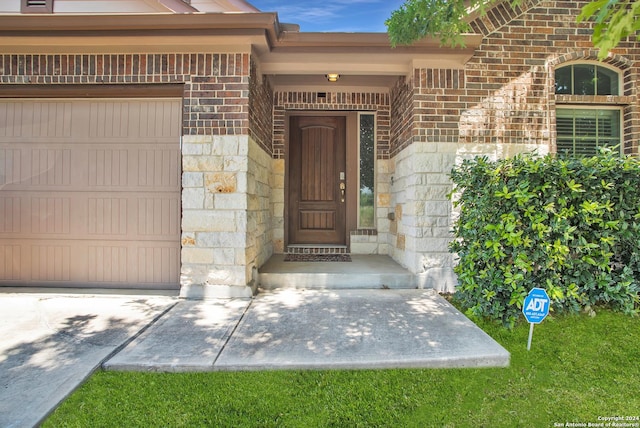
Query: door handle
{"type": "Point", "coordinates": [342, 191]}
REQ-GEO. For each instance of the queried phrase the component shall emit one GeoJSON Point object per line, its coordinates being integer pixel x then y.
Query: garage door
{"type": "Point", "coordinates": [90, 192]}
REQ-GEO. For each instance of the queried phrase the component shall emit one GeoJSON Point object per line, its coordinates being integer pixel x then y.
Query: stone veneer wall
{"type": "Point", "coordinates": [424, 213]}
{"type": "Point", "coordinates": [260, 175]}
{"type": "Point", "coordinates": [224, 214]}
{"type": "Point", "coordinates": [500, 104]}
{"type": "Point", "coordinates": [214, 223]}
{"type": "Point", "coordinates": [259, 229]}
{"type": "Point", "coordinates": [232, 235]}
{"type": "Point", "coordinates": [362, 241]}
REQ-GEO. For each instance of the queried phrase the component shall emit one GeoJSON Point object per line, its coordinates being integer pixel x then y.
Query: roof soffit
{"type": "Point", "coordinates": [279, 51]}
{"type": "Point", "coordinates": [223, 6]}
{"type": "Point", "coordinates": [177, 6]}
{"type": "Point", "coordinates": [359, 54]}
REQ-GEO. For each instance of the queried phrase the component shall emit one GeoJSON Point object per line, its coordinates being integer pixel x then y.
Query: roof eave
{"type": "Point", "coordinates": [277, 37]}
{"type": "Point", "coordinates": [146, 21]}
{"type": "Point", "coordinates": [279, 50]}
{"type": "Point", "coordinates": [311, 39]}
{"type": "Point", "coordinates": [82, 30]}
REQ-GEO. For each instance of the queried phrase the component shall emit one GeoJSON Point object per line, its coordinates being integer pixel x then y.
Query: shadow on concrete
{"type": "Point", "coordinates": [352, 329]}
{"type": "Point", "coordinates": [189, 338]}
{"type": "Point", "coordinates": [51, 344]}
{"type": "Point", "coordinates": [312, 329]}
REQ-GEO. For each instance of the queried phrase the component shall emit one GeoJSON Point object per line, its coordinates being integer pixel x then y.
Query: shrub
{"type": "Point", "coordinates": [568, 225]}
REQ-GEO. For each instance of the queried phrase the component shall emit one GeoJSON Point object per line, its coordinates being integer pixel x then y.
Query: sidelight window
{"type": "Point", "coordinates": [367, 155]}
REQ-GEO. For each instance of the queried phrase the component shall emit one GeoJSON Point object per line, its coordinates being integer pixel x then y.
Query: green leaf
{"type": "Point", "coordinates": [575, 187]}
{"type": "Point", "coordinates": [590, 9]}
{"type": "Point", "coordinates": [579, 240]}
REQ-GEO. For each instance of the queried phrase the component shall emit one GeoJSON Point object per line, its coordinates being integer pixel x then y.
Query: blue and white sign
{"type": "Point", "coordinates": [535, 309]}
{"type": "Point", "coordinates": [536, 306]}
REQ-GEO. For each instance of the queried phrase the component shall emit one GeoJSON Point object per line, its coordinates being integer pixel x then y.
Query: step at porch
{"type": "Point", "coordinates": [362, 272]}
{"type": "Point", "coordinates": [317, 249]}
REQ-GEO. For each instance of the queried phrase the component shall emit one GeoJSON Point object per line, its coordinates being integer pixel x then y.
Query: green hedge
{"type": "Point", "coordinates": [568, 225]}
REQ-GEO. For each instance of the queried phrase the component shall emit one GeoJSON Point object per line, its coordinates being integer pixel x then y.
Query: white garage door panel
{"type": "Point", "coordinates": [90, 192]}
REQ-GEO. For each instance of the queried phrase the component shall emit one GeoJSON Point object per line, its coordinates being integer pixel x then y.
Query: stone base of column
{"type": "Point", "coordinates": [206, 291]}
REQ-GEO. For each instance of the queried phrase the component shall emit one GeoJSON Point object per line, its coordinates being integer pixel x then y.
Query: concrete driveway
{"type": "Point", "coordinates": [49, 344]}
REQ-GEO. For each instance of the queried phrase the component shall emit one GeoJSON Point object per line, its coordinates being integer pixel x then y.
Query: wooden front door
{"type": "Point", "coordinates": [317, 180]}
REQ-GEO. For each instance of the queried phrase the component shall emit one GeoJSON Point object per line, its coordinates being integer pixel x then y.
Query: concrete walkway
{"type": "Point", "coordinates": [49, 343]}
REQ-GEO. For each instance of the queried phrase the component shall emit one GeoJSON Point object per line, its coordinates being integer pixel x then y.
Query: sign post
{"type": "Point", "coordinates": [535, 309]}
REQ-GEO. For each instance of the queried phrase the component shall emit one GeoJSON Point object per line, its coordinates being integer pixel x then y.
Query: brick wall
{"type": "Point", "coordinates": [505, 93]}
{"type": "Point", "coordinates": [402, 95]}
{"type": "Point", "coordinates": [501, 103]}
{"type": "Point", "coordinates": [260, 110]}
{"type": "Point", "coordinates": [376, 102]}
{"type": "Point", "coordinates": [215, 85]}
{"type": "Point", "coordinates": [509, 91]}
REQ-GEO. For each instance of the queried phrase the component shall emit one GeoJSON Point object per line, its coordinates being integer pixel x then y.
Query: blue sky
{"type": "Point", "coordinates": [332, 15]}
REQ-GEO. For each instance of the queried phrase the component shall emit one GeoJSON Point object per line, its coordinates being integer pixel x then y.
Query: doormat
{"type": "Point", "coordinates": [317, 258]}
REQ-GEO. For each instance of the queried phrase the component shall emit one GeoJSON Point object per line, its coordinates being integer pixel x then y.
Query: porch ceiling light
{"type": "Point", "coordinates": [333, 77]}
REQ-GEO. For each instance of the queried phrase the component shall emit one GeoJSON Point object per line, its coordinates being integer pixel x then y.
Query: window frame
{"type": "Point", "coordinates": [590, 102]}
{"type": "Point", "coordinates": [596, 64]}
{"type": "Point", "coordinates": [619, 109]}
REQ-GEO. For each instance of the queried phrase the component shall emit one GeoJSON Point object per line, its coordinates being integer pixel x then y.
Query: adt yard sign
{"type": "Point", "coordinates": [536, 306]}
{"type": "Point", "coordinates": [535, 309]}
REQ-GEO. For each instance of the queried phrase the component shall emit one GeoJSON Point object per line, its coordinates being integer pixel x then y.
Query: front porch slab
{"type": "Point", "coordinates": [357, 329]}
{"type": "Point", "coordinates": [363, 272]}
{"type": "Point", "coordinates": [312, 329]}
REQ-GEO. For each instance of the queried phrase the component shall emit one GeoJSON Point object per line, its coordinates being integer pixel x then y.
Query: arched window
{"type": "Point", "coordinates": [586, 121]}
{"type": "Point", "coordinates": [587, 79]}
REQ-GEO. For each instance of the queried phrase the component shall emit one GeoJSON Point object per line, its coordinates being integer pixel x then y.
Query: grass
{"type": "Point", "coordinates": [579, 369]}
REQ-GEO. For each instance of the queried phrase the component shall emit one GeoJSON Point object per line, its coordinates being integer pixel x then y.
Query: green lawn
{"type": "Point", "coordinates": [579, 369]}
